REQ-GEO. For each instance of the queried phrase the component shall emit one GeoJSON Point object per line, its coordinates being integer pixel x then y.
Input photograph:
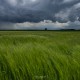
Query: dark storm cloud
{"type": "Point", "coordinates": [19, 11]}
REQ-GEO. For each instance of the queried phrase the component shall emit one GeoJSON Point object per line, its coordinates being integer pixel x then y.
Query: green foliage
{"type": "Point", "coordinates": [40, 55]}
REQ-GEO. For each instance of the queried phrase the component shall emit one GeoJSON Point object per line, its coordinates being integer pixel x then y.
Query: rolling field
{"type": "Point", "coordinates": [39, 55]}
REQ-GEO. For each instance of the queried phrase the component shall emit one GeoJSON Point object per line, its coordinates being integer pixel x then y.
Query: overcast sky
{"type": "Point", "coordinates": [38, 14]}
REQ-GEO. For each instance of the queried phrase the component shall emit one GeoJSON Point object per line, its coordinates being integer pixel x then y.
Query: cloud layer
{"type": "Point", "coordinates": [35, 11]}
{"type": "Point", "coordinates": [18, 11]}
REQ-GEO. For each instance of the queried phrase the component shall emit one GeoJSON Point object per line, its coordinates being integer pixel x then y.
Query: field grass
{"type": "Point", "coordinates": [39, 55]}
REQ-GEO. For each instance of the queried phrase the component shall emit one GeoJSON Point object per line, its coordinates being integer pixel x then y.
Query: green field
{"type": "Point", "coordinates": [39, 55]}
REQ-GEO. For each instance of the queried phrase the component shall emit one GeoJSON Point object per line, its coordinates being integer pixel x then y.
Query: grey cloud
{"type": "Point", "coordinates": [72, 25]}
{"type": "Point", "coordinates": [7, 26]}
{"type": "Point", "coordinates": [49, 25]}
{"type": "Point", "coordinates": [41, 25]}
{"type": "Point", "coordinates": [19, 11]}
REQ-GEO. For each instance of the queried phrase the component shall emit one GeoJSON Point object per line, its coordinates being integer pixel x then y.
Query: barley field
{"type": "Point", "coordinates": [39, 55]}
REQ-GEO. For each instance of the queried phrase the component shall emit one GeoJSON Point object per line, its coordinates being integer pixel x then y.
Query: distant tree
{"type": "Point", "coordinates": [45, 29]}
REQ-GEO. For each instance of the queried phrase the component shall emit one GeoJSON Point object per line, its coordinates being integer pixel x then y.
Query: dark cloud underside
{"type": "Point", "coordinates": [19, 11]}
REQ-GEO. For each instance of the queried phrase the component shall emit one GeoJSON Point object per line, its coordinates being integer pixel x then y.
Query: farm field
{"type": "Point", "coordinates": [39, 55]}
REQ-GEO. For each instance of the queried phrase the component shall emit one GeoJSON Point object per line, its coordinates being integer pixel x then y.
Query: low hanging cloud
{"type": "Point", "coordinates": [48, 24]}
{"type": "Point", "coordinates": [41, 25]}
{"type": "Point", "coordinates": [34, 11]}
{"type": "Point", "coordinates": [7, 26]}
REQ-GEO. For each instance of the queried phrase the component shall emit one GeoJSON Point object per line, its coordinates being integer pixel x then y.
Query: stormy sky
{"type": "Point", "coordinates": [38, 14]}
